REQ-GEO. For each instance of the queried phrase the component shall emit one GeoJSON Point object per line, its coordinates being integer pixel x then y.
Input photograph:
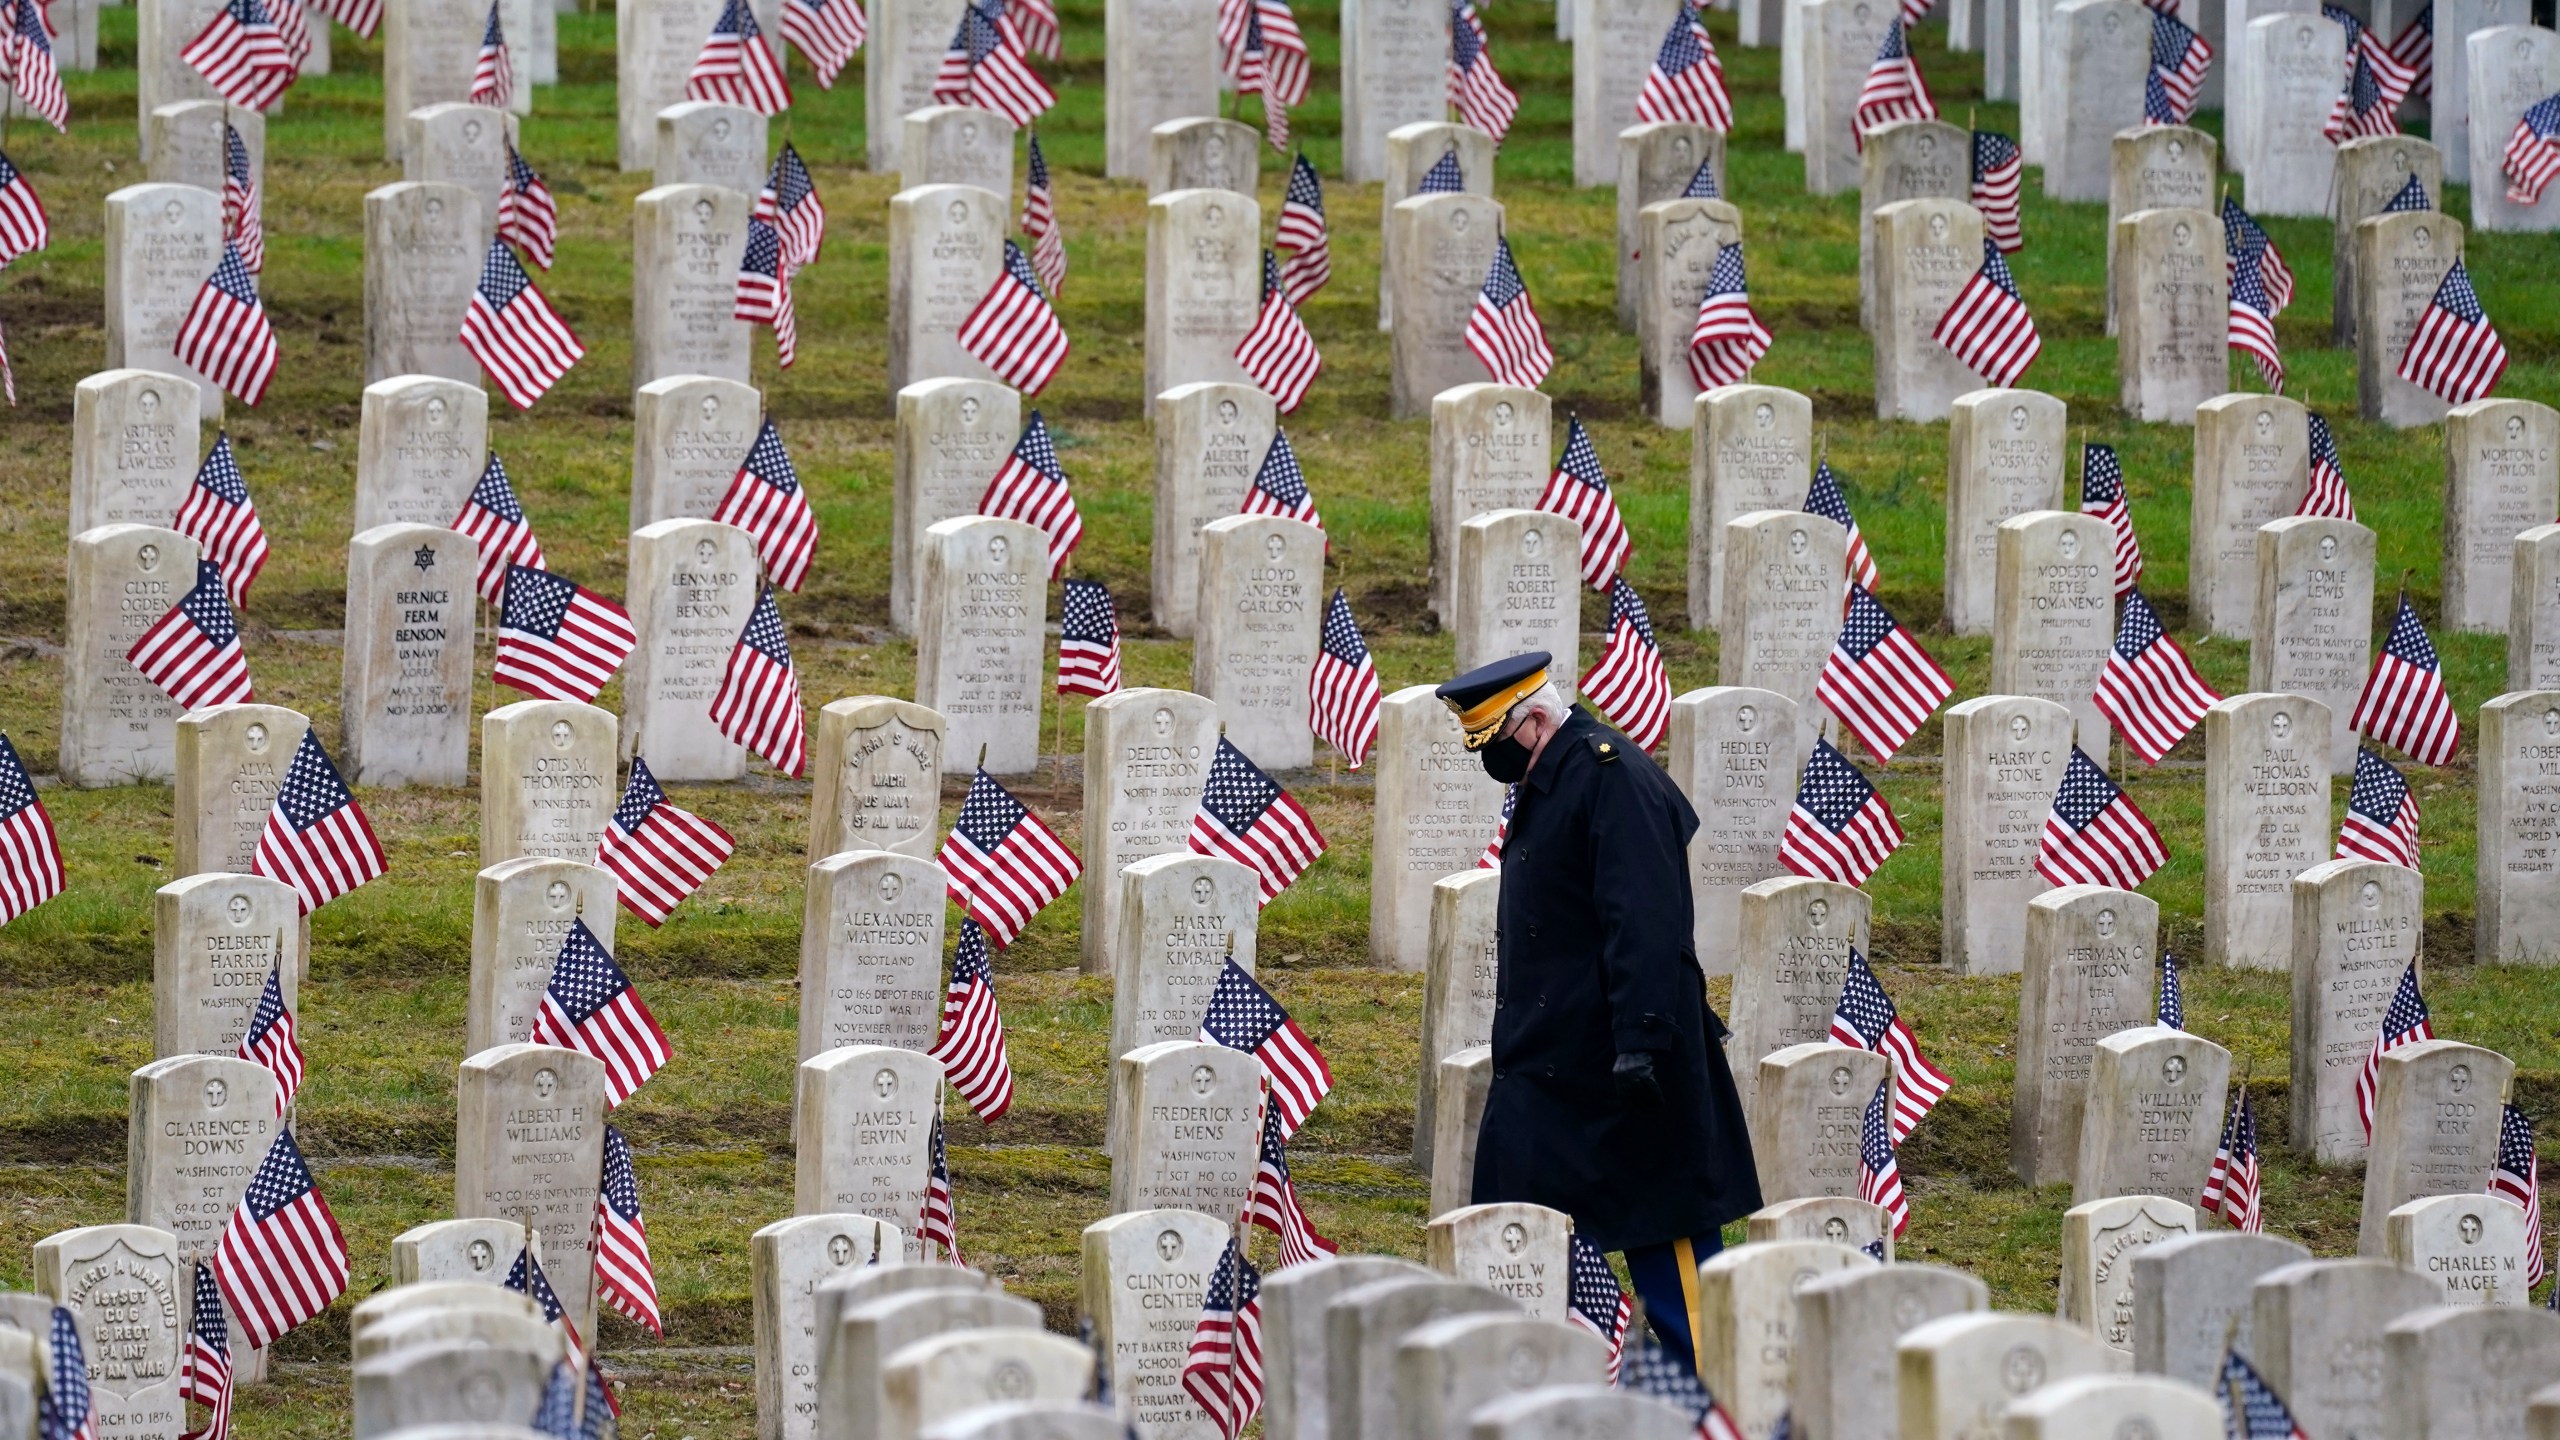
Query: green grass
{"type": "Point", "coordinates": [383, 1013]}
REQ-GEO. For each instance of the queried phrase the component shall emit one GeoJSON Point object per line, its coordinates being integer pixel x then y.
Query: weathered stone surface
{"type": "Point", "coordinates": [1733, 751]}
{"type": "Point", "coordinates": [2400, 261]}
{"type": "Point", "coordinates": [1184, 1127]}
{"type": "Point", "coordinates": [687, 244]}
{"type": "Point", "coordinates": [162, 29]}
{"type": "Point", "coordinates": [1296, 1378]}
{"type": "Point", "coordinates": [1144, 1275]}
{"type": "Point", "coordinates": [1906, 160]}
{"type": "Point", "coordinates": [854, 1356]}
{"type": "Point", "coordinates": [1797, 933]}
{"type": "Point", "coordinates": [1181, 917]}
{"type": "Point", "coordinates": [2252, 464]}
{"type": "Point", "coordinates": [455, 143]}
{"type": "Point", "coordinates": [2191, 1300]}
{"type": "Point", "coordinates": [1847, 1324]}
{"type": "Point", "coordinates": [521, 912]}
{"type": "Point", "coordinates": [1412, 150]}
{"type": "Point", "coordinates": [1575, 1412]}
{"type": "Point", "coordinates": [1861, 1225]}
{"type": "Point", "coordinates": [231, 759]}
{"type": "Point", "coordinates": [117, 727]}
{"type": "Point", "coordinates": [2091, 956]}
{"type": "Point", "coordinates": [787, 1261]}
{"type": "Point", "coordinates": [2099, 1240]}
{"type": "Point", "coordinates": [692, 584]}
{"type": "Point", "coordinates": [884, 1278]}
{"type": "Point", "coordinates": [421, 446]}
{"type": "Point", "coordinates": [2266, 818]}
{"type": "Point", "coordinates": [1465, 1078]}
{"type": "Point", "coordinates": [689, 435]}
{"type": "Point", "coordinates": [2471, 1247]}
{"type": "Point", "coordinates": [2154, 1114]}
{"type": "Point", "coordinates": [1489, 449]}
{"type": "Point", "coordinates": [2516, 897]}
{"type": "Point", "coordinates": [1210, 440]}
{"type": "Point", "coordinates": [871, 947]}
{"type": "Point", "coordinates": [1925, 252]}
{"type": "Point", "coordinates": [1680, 241]}
{"type": "Point", "coordinates": [2356, 926]}
{"type": "Point", "coordinates": [547, 781]}
{"type": "Point", "coordinates": [1435, 811]}
{"type": "Point", "coordinates": [197, 1127]}
{"type": "Point", "coordinates": [704, 142]}
{"type": "Point", "coordinates": [2098, 53]}
{"type": "Point", "coordinates": [2295, 61]}
{"type": "Point", "coordinates": [431, 47]}
{"type": "Point", "coordinates": [2313, 623]}
{"type": "Point", "coordinates": [1204, 284]}
{"type": "Point", "coordinates": [2172, 313]}
{"type": "Point", "coordinates": [135, 439]}
{"type": "Point", "coordinates": [215, 939]}
{"type": "Point", "coordinates": [1784, 579]}
{"type": "Point", "coordinates": [983, 599]}
{"type": "Point", "coordinates": [899, 61]}
{"type": "Point", "coordinates": [945, 1376]}
{"type": "Point", "coordinates": [2240, 114]}
{"type": "Point", "coordinates": [1444, 247]}
{"type": "Point", "coordinates": [528, 1144]}
{"type": "Point", "coordinates": [2054, 613]}
{"type": "Point", "coordinates": [1656, 160]}
{"type": "Point", "coordinates": [1261, 617]}
{"type": "Point", "coordinates": [1457, 987]}
{"type": "Point", "coordinates": [946, 243]}
{"type": "Point", "coordinates": [1807, 1104]}
{"type": "Point", "coordinates": [447, 1382]}
{"type": "Point", "coordinates": [957, 145]}
{"type": "Point", "coordinates": [1750, 449]}
{"type": "Point", "coordinates": [2533, 626]}
{"type": "Point", "coordinates": [406, 691]}
{"type": "Point", "coordinates": [2315, 1334]}
{"type": "Point", "coordinates": [2501, 477]}
{"type": "Point", "coordinates": [2129, 1405]}
{"type": "Point", "coordinates": [1956, 1375]}
{"type": "Point", "coordinates": [2005, 755]}
{"type": "Point", "coordinates": [130, 1299]}
{"type": "Point", "coordinates": [2511, 69]}
{"type": "Point", "coordinates": [1029, 1420]}
{"type": "Point", "coordinates": [423, 245]}
{"type": "Point", "coordinates": [1146, 756]}
{"type": "Point", "coordinates": [655, 45]}
{"type": "Point", "coordinates": [1746, 1296]}
{"type": "Point", "coordinates": [1523, 1251]}
{"type": "Point", "coordinates": [1841, 38]}
{"type": "Point", "coordinates": [1363, 1328]}
{"type": "Point", "coordinates": [187, 146]}
{"type": "Point", "coordinates": [1614, 42]}
{"type": "Point", "coordinates": [1395, 72]}
{"type": "Point", "coordinates": [455, 1251]}
{"type": "Point", "coordinates": [2154, 167]}
{"type": "Point", "coordinates": [863, 1123]}
{"type": "Point", "coordinates": [2436, 1109]}
{"type": "Point", "coordinates": [952, 436]}
{"type": "Point", "coordinates": [1199, 152]}
{"type": "Point", "coordinates": [1449, 1369]}
{"type": "Point", "coordinates": [2467, 1372]}
{"type": "Point", "coordinates": [2004, 459]}
{"type": "Point", "coordinates": [2372, 169]}
{"type": "Point", "coordinates": [1163, 65]}
{"type": "Point", "coordinates": [1519, 588]}
{"type": "Point", "coordinates": [161, 243]}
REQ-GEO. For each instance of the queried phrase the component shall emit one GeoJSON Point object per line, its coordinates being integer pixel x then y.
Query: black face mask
{"type": "Point", "coordinates": [1506, 760]}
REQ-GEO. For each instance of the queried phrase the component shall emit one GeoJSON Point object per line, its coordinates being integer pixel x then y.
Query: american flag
{"type": "Point", "coordinates": [765, 500]}
{"type": "Point", "coordinates": [2156, 108]}
{"type": "Point", "coordinates": [2253, 320]}
{"type": "Point", "coordinates": [28, 50]}
{"type": "Point", "coordinates": [493, 76]}
{"type": "Point", "coordinates": [204, 1371]}
{"type": "Point", "coordinates": [1702, 182]}
{"type": "Point", "coordinates": [659, 852]}
{"type": "Point", "coordinates": [2095, 834]}
{"type": "Point", "coordinates": [1088, 639]}
{"type": "Point", "coordinates": [1223, 1372]}
{"type": "Point", "coordinates": [1894, 89]}
{"type": "Point", "coordinates": [937, 1222]}
{"type": "Point", "coordinates": [2327, 494]}
{"type": "Point", "coordinates": [30, 851]}
{"type": "Point", "coordinates": [2533, 152]}
{"type": "Point", "coordinates": [1475, 87]}
{"type": "Point", "coordinates": [1629, 683]}
{"type": "Point", "coordinates": [1867, 1019]}
{"type": "Point", "coordinates": [1878, 682]}
{"type": "Point", "coordinates": [225, 334]}
{"type": "Point", "coordinates": [2382, 815]}
{"type": "Point", "coordinates": [1445, 177]}
{"type": "Point", "coordinates": [527, 214]}
{"type": "Point", "coordinates": [241, 53]}
{"type": "Point", "coordinates": [1594, 1301]}
{"type": "Point", "coordinates": [789, 203]}
{"type": "Point", "coordinates": [1841, 828]}
{"type": "Point", "coordinates": [591, 1007]}
{"type": "Point", "coordinates": [827, 32]}
{"type": "Point", "coordinates": [988, 65]}
{"type": "Point", "coordinates": [2415, 48]}
{"type": "Point", "coordinates": [2149, 688]}
{"type": "Point", "coordinates": [1687, 80]}
{"type": "Point", "coordinates": [1277, 353]}
{"type": "Point", "coordinates": [558, 640]}
{"type": "Point", "coordinates": [514, 333]}
{"type": "Point", "coordinates": [557, 1415]}
{"type": "Point", "coordinates": [2242, 234]}
{"type": "Point", "coordinates": [293, 28]}
{"type": "Point", "coordinates": [362, 16]}
{"type": "Point", "coordinates": [758, 702]}
{"type": "Point", "coordinates": [1273, 64]}
{"type": "Point", "coordinates": [2404, 701]}
{"type": "Point", "coordinates": [1003, 866]}
{"type": "Point", "coordinates": [2172, 1010]}
{"type": "Point", "coordinates": [2250, 1408]}
{"type": "Point", "coordinates": [2518, 1177]}
{"type": "Point", "coordinates": [737, 67]}
{"type": "Point", "coordinates": [496, 522]}
{"type": "Point", "coordinates": [282, 1258]}
{"type": "Point", "coordinates": [193, 652]}
{"type": "Point", "coordinates": [317, 839]}
{"type": "Point", "coordinates": [764, 291]}
{"type": "Point", "coordinates": [8, 377]}
{"type": "Point", "coordinates": [1503, 330]}
{"type": "Point", "coordinates": [2405, 1022]}
{"type": "Point", "coordinates": [218, 514]}
{"type": "Point", "coordinates": [1243, 1016]}
{"type": "Point", "coordinates": [1031, 486]}
{"type": "Point", "coordinates": [1040, 220]}
{"type": "Point", "coordinates": [65, 1411]}
{"type": "Point", "coordinates": [269, 1040]}
{"type": "Point", "coordinates": [1998, 168]}
{"type": "Point", "coordinates": [970, 1044]}
{"type": "Point", "coordinates": [1989, 327]}
{"type": "Point", "coordinates": [601, 1406]}
{"type": "Point", "coordinates": [25, 228]}
{"type": "Point", "coordinates": [1038, 22]}
{"type": "Point", "coordinates": [2231, 1187]}
{"type": "Point", "coordinates": [2455, 353]}
{"type": "Point", "coordinates": [1879, 1174]}
{"type": "Point", "coordinates": [1826, 499]}
{"type": "Point", "coordinates": [1342, 690]}
{"type": "Point", "coordinates": [241, 208]}
{"type": "Point", "coordinates": [526, 1278]}
{"type": "Point", "coordinates": [2102, 494]}
{"type": "Point", "coordinates": [625, 1280]}
{"type": "Point", "coordinates": [1491, 859]}
{"type": "Point", "coordinates": [1245, 816]}
{"type": "Point", "coordinates": [1013, 330]}
{"type": "Point", "coordinates": [2375, 87]}
{"type": "Point", "coordinates": [1280, 486]}
{"type": "Point", "coordinates": [1728, 338]}
{"type": "Point", "coordinates": [1651, 1370]}
{"type": "Point", "coordinates": [2179, 59]}
{"type": "Point", "coordinates": [1275, 1204]}
{"type": "Point", "coordinates": [1579, 491]}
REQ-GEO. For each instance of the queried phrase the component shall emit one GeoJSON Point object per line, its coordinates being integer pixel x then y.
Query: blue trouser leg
{"type": "Point", "coordinates": [1666, 1279]}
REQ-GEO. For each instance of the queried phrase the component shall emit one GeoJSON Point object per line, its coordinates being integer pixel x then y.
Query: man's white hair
{"type": "Point", "coordinates": [1546, 700]}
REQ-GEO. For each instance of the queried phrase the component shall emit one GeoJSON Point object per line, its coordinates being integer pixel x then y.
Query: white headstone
{"type": "Point", "coordinates": [528, 1143]}
{"type": "Point", "coordinates": [1143, 1278]}
{"type": "Point", "coordinates": [1444, 246]}
{"type": "Point", "coordinates": [1926, 251]}
{"type": "Point", "coordinates": [455, 143]}
{"type": "Point", "coordinates": [1797, 933]}
{"type": "Point", "coordinates": [521, 911]}
{"type": "Point", "coordinates": [161, 243]}
{"type": "Point", "coordinates": [118, 728]}
{"type": "Point", "coordinates": [1261, 615]}
{"type": "Point", "coordinates": [1750, 449]}
{"type": "Point", "coordinates": [1395, 71]}
{"type": "Point", "coordinates": [1435, 811]}
{"type": "Point", "coordinates": [1457, 988]}
{"type": "Point", "coordinates": [871, 947]}
{"type": "Point", "coordinates": [1520, 589]}
{"type": "Point", "coordinates": [2252, 464]}
{"type": "Point", "coordinates": [689, 436]}
{"type": "Point", "coordinates": [547, 781]}
{"type": "Point", "coordinates": [1784, 585]}
{"type": "Point", "coordinates": [1735, 752]}
{"type": "Point", "coordinates": [1211, 436]}
{"type": "Point", "coordinates": [2004, 459]}
{"type": "Point", "coordinates": [692, 584]}
{"type": "Point", "coordinates": [2092, 953]}
{"type": "Point", "coordinates": [875, 777]}
{"type": "Point", "coordinates": [705, 142]}
{"type": "Point", "coordinates": [1147, 754]}
{"type": "Point", "coordinates": [2005, 755]}
{"type": "Point", "coordinates": [2266, 820]}
{"type": "Point", "coordinates": [2355, 930]}
{"type": "Point", "coordinates": [1204, 284]}
{"type": "Point", "coordinates": [1163, 65]}
{"type": "Point", "coordinates": [687, 243]}
{"type": "Point", "coordinates": [135, 442]}
{"type": "Point", "coordinates": [2501, 477]}
{"type": "Point", "coordinates": [421, 445]}
{"type": "Point", "coordinates": [2172, 313]}
{"type": "Point", "coordinates": [958, 145]}
{"type": "Point", "coordinates": [863, 1122]}
{"type": "Point", "coordinates": [1184, 1131]}
{"type": "Point", "coordinates": [1489, 449]}
{"type": "Point", "coordinates": [2314, 618]}
{"type": "Point", "coordinates": [980, 655]}
{"type": "Point", "coordinates": [946, 244]}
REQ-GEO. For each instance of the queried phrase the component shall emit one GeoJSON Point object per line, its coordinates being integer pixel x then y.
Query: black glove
{"type": "Point", "coordinates": [1633, 1079]}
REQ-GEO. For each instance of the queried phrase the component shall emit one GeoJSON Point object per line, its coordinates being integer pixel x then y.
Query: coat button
{"type": "Point", "coordinates": [1533, 932]}
{"type": "Point", "coordinates": [1501, 1074]}
{"type": "Point", "coordinates": [1551, 1072]}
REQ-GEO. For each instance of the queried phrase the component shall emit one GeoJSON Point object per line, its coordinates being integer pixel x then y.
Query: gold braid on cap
{"type": "Point", "coordinates": [1484, 717]}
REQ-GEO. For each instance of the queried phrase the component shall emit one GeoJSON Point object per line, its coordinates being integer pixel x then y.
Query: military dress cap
{"type": "Point", "coordinates": [1483, 696]}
